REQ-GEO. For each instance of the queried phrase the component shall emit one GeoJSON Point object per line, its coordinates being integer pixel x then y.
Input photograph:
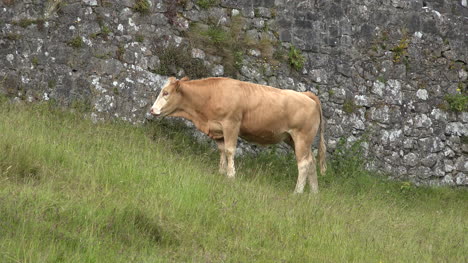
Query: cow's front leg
{"type": "Point", "coordinates": [222, 156]}
{"type": "Point", "coordinates": [230, 131]}
{"type": "Point", "coordinates": [231, 169]}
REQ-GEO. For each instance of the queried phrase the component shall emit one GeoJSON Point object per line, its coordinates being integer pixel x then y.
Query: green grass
{"type": "Point", "coordinates": [73, 191]}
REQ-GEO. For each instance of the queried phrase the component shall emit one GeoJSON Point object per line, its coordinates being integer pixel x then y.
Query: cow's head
{"type": "Point", "coordinates": [169, 98]}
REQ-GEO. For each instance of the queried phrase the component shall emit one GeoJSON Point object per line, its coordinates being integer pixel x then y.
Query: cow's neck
{"type": "Point", "coordinates": [191, 108]}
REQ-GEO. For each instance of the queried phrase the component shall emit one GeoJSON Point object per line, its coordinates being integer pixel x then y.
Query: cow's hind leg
{"type": "Point", "coordinates": [230, 132]}
{"type": "Point", "coordinates": [305, 164]}
{"type": "Point", "coordinates": [222, 156]}
{"type": "Point", "coordinates": [312, 176]}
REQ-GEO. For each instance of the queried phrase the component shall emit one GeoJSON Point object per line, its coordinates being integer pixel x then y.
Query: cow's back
{"type": "Point", "coordinates": [266, 114]}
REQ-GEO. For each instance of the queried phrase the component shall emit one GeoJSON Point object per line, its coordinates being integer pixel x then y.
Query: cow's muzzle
{"type": "Point", "coordinates": [154, 113]}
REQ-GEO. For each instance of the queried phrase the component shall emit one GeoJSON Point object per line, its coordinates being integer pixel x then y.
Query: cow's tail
{"type": "Point", "coordinates": [322, 150]}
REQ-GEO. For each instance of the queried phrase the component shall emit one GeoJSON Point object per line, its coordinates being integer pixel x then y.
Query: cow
{"type": "Point", "coordinates": [225, 109]}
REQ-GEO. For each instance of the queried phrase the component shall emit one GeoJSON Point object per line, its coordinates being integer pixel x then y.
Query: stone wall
{"type": "Point", "coordinates": [383, 69]}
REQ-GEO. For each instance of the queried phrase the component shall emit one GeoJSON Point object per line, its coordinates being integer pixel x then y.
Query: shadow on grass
{"type": "Point", "coordinates": [278, 169]}
{"type": "Point", "coordinates": [130, 224]}
{"type": "Point", "coordinates": [18, 165]}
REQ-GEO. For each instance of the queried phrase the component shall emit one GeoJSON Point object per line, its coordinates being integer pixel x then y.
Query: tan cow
{"type": "Point", "coordinates": [225, 108]}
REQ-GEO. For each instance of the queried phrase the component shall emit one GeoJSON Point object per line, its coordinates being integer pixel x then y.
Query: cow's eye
{"type": "Point", "coordinates": [165, 93]}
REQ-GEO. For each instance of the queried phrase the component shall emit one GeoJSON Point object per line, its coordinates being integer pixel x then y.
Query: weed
{"type": "Point", "coordinates": [52, 6]}
{"type": "Point", "coordinates": [380, 41]}
{"type": "Point", "coordinates": [205, 4]}
{"type": "Point", "coordinates": [296, 59]}
{"type": "Point", "coordinates": [218, 41]}
{"type": "Point", "coordinates": [406, 62]}
{"type": "Point", "coordinates": [280, 54]}
{"type": "Point", "coordinates": [256, 12]}
{"type": "Point", "coordinates": [100, 19]}
{"type": "Point", "coordinates": [464, 139]}
{"type": "Point", "coordinates": [76, 42]}
{"type": "Point", "coordinates": [51, 84]}
{"type": "Point", "coordinates": [457, 102]}
{"type": "Point", "coordinates": [13, 36]}
{"type": "Point", "coordinates": [384, 36]}
{"type": "Point", "coordinates": [274, 12]}
{"type": "Point", "coordinates": [141, 6]}
{"type": "Point", "coordinates": [35, 61]}
{"type": "Point", "coordinates": [443, 106]}
{"type": "Point", "coordinates": [400, 50]}
{"type": "Point", "coordinates": [349, 106]}
{"type": "Point", "coordinates": [382, 79]}
{"type": "Point", "coordinates": [120, 52]}
{"type": "Point", "coordinates": [266, 48]}
{"type": "Point", "coordinates": [173, 58]}
{"type": "Point", "coordinates": [171, 9]}
{"type": "Point", "coordinates": [26, 22]}
{"type": "Point", "coordinates": [238, 59]}
{"type": "Point", "coordinates": [105, 31]}
{"type": "Point", "coordinates": [229, 43]}
{"type": "Point", "coordinates": [107, 3]}
{"type": "Point", "coordinates": [461, 88]}
{"type": "Point", "coordinates": [103, 56]}
{"type": "Point", "coordinates": [94, 35]}
{"type": "Point", "coordinates": [236, 27]}
{"type": "Point", "coordinates": [216, 35]}
{"type": "Point", "coordinates": [139, 38]}
{"type": "Point", "coordinates": [40, 24]}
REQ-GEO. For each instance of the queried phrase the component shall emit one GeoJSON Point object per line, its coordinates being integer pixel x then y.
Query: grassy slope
{"type": "Point", "coordinates": [72, 191]}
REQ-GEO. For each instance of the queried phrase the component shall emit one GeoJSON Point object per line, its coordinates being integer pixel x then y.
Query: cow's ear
{"type": "Point", "coordinates": [172, 79]}
{"type": "Point", "coordinates": [185, 79]}
{"type": "Point", "coordinates": [177, 86]}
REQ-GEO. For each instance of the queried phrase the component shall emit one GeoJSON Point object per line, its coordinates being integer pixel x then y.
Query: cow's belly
{"type": "Point", "coordinates": [263, 137]}
{"type": "Point", "coordinates": [261, 128]}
